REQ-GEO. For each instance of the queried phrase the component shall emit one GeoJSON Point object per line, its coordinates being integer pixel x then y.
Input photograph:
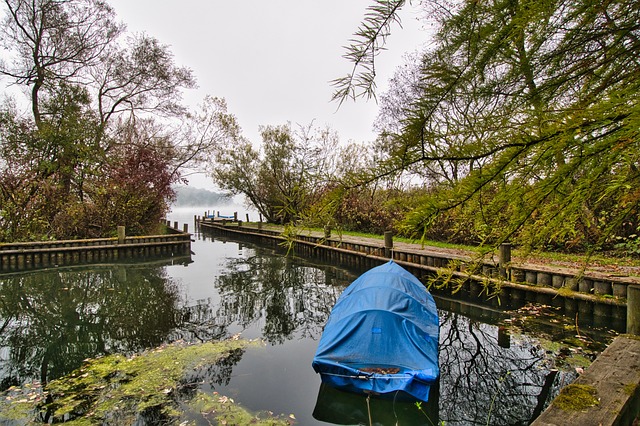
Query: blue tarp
{"type": "Point", "coordinates": [382, 336]}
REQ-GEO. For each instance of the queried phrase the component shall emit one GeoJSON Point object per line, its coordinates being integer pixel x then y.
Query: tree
{"type": "Point", "coordinates": [53, 41]}
{"type": "Point", "coordinates": [95, 96]}
{"type": "Point", "coordinates": [21, 198]}
{"type": "Point", "coordinates": [370, 39]}
{"type": "Point", "coordinates": [539, 100]}
{"type": "Point", "coordinates": [139, 77]}
{"type": "Point", "coordinates": [287, 176]}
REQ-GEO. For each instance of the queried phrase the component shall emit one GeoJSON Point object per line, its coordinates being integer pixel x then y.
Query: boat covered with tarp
{"type": "Point", "coordinates": [381, 337]}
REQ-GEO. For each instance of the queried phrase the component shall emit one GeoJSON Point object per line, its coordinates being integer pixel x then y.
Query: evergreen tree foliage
{"type": "Point", "coordinates": [528, 110]}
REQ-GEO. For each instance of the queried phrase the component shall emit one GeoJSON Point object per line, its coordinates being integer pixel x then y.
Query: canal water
{"type": "Point", "coordinates": [500, 363]}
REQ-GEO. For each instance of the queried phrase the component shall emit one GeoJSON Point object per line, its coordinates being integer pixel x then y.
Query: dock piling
{"type": "Point", "coordinates": [388, 244]}
{"type": "Point", "coordinates": [633, 310]}
{"type": "Point", "coordinates": [504, 260]}
{"type": "Point", "coordinates": [327, 232]}
{"type": "Point", "coordinates": [121, 234]}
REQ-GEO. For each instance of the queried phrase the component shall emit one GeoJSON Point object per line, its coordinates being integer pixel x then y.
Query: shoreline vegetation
{"type": "Point", "coordinates": [616, 265]}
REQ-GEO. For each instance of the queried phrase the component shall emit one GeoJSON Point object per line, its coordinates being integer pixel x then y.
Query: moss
{"type": "Point", "coordinates": [17, 404]}
{"type": "Point", "coordinates": [117, 386]}
{"type": "Point", "coordinates": [565, 291]}
{"type": "Point", "coordinates": [631, 336]}
{"type": "Point", "coordinates": [549, 345]}
{"type": "Point", "coordinates": [630, 388]}
{"type": "Point", "coordinates": [574, 341]}
{"type": "Point", "coordinates": [224, 411]}
{"type": "Point", "coordinates": [576, 397]}
{"type": "Point", "coordinates": [577, 360]}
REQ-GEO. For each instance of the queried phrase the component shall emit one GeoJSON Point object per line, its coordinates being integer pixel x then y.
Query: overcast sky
{"type": "Point", "coordinates": [272, 60]}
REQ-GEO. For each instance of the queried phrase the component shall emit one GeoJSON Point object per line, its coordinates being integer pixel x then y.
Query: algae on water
{"type": "Point", "coordinates": [118, 390]}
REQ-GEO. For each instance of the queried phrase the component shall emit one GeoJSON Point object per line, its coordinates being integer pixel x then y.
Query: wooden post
{"type": "Point", "coordinates": [260, 215]}
{"type": "Point", "coordinates": [185, 228]}
{"type": "Point", "coordinates": [388, 244]}
{"type": "Point", "coordinates": [247, 217]}
{"type": "Point", "coordinates": [504, 337]}
{"type": "Point", "coordinates": [633, 310]}
{"type": "Point", "coordinates": [504, 260]}
{"type": "Point", "coordinates": [235, 216]}
{"type": "Point", "coordinates": [175, 225]}
{"type": "Point", "coordinates": [327, 232]}
{"type": "Point", "coordinates": [121, 234]}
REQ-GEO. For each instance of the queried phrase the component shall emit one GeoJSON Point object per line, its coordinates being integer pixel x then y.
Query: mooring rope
{"type": "Point", "coordinates": [373, 376]}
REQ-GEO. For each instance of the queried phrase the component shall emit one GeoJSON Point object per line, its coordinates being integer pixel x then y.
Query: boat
{"type": "Point", "coordinates": [381, 337]}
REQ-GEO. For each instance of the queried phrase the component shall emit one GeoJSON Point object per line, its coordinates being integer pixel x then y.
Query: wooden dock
{"type": "Point", "coordinates": [15, 257]}
{"type": "Point", "coordinates": [612, 387]}
{"type": "Point", "coordinates": [579, 285]}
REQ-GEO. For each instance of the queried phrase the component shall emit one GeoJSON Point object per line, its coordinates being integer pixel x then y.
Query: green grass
{"type": "Point", "coordinates": [548, 258]}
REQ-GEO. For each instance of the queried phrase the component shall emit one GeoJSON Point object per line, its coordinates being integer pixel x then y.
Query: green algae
{"type": "Point", "coordinates": [116, 389]}
{"type": "Point", "coordinates": [576, 397]}
{"type": "Point", "coordinates": [222, 410]}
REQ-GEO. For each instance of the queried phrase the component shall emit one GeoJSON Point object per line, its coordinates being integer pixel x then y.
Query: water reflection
{"type": "Point", "coordinates": [52, 320]}
{"type": "Point", "coordinates": [485, 381]}
{"type": "Point", "coordinates": [343, 408]}
{"type": "Point", "coordinates": [279, 292]}
{"type": "Point", "coordinates": [491, 372]}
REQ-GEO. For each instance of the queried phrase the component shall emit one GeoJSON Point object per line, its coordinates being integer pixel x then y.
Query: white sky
{"type": "Point", "coordinates": [272, 60]}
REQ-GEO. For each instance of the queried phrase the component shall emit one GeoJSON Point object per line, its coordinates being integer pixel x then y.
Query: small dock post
{"type": "Point", "coordinates": [504, 260]}
{"type": "Point", "coordinates": [633, 310]}
{"type": "Point", "coordinates": [121, 234]}
{"type": "Point", "coordinates": [388, 244]}
{"type": "Point", "coordinates": [327, 232]}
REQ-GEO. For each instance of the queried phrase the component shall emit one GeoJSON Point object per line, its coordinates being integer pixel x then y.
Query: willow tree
{"type": "Point", "coordinates": [535, 105]}
{"type": "Point", "coordinates": [286, 176]}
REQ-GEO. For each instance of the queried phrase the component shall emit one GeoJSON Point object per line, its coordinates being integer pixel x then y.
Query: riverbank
{"type": "Point", "coordinates": [595, 264]}
{"type": "Point", "coordinates": [596, 283]}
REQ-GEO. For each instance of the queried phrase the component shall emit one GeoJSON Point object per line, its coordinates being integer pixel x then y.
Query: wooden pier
{"type": "Point", "coordinates": [610, 387]}
{"type": "Point", "coordinates": [35, 255]}
{"type": "Point", "coordinates": [577, 285]}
